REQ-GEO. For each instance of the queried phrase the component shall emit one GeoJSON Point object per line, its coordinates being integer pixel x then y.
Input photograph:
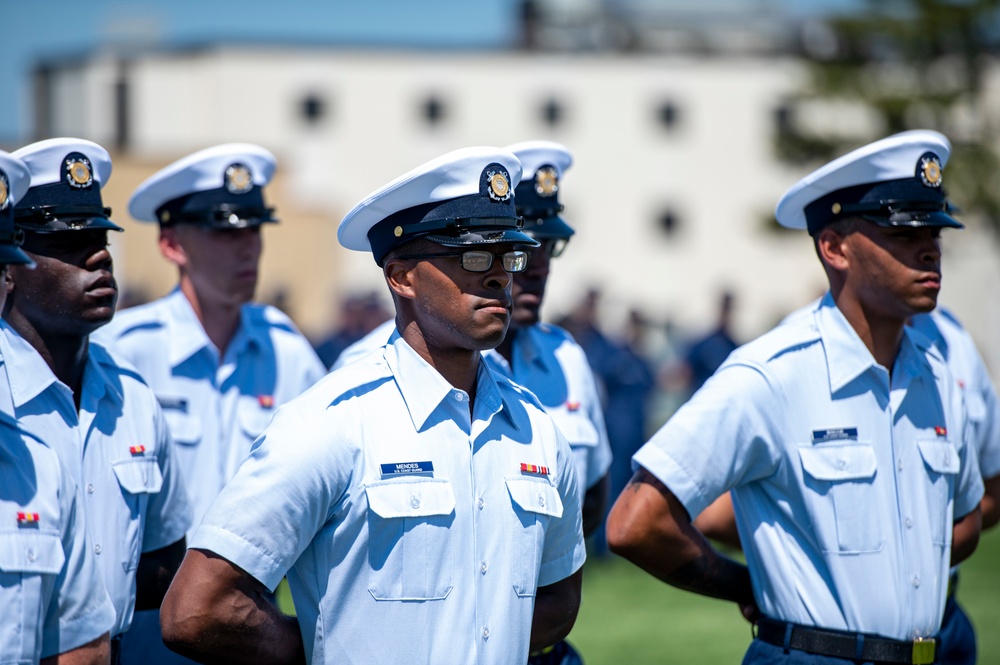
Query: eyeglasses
{"type": "Point", "coordinates": [475, 260]}
{"type": "Point", "coordinates": [553, 246]}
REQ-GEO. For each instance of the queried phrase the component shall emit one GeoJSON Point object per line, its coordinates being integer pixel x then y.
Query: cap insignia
{"type": "Point", "coordinates": [546, 181]}
{"type": "Point", "coordinates": [4, 191]}
{"type": "Point", "coordinates": [78, 172]}
{"type": "Point", "coordinates": [398, 231]}
{"type": "Point", "coordinates": [930, 171]}
{"type": "Point", "coordinates": [499, 185]}
{"type": "Point", "coordinates": [238, 179]}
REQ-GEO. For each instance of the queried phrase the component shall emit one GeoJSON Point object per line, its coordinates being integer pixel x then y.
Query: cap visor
{"type": "Point", "coordinates": [548, 227]}
{"type": "Point", "coordinates": [10, 254]}
{"type": "Point", "coordinates": [484, 237]}
{"type": "Point", "coordinates": [903, 219]}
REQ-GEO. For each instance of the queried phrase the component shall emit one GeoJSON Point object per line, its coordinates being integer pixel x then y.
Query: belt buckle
{"type": "Point", "coordinates": [923, 651]}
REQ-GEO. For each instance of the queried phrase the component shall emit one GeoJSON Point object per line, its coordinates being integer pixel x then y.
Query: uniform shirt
{"type": "Point", "coordinates": [52, 598]}
{"type": "Point", "coordinates": [410, 531]}
{"type": "Point", "coordinates": [550, 364]}
{"type": "Point", "coordinates": [954, 343]}
{"type": "Point", "coordinates": [845, 483]}
{"type": "Point", "coordinates": [117, 449]}
{"type": "Point", "coordinates": [215, 406]}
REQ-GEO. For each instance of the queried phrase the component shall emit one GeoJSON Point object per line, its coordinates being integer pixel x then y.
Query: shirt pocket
{"type": "Point", "coordinates": [942, 464]}
{"type": "Point", "coordinates": [253, 418]}
{"type": "Point", "coordinates": [410, 547]}
{"type": "Point", "coordinates": [29, 562]}
{"type": "Point", "coordinates": [185, 428]}
{"type": "Point", "coordinates": [534, 501]}
{"type": "Point", "coordinates": [840, 483]}
{"type": "Point", "coordinates": [576, 427]}
{"type": "Point", "coordinates": [138, 477]}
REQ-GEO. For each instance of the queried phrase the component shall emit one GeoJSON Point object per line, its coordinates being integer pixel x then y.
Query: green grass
{"type": "Point", "coordinates": [628, 616]}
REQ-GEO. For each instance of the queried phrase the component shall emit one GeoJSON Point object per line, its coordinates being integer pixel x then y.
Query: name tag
{"type": "Point", "coordinates": [835, 434]}
{"type": "Point", "coordinates": [178, 403]}
{"type": "Point", "coordinates": [397, 468]}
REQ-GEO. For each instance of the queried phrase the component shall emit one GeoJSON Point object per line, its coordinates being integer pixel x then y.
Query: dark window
{"type": "Point", "coordinates": [783, 119]}
{"type": "Point", "coordinates": [122, 125]}
{"type": "Point", "coordinates": [669, 221]}
{"type": "Point", "coordinates": [312, 109]}
{"type": "Point", "coordinates": [553, 113]}
{"type": "Point", "coordinates": [667, 114]}
{"type": "Point", "coordinates": [434, 110]}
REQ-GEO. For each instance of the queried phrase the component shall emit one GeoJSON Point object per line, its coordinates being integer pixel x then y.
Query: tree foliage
{"type": "Point", "coordinates": [908, 64]}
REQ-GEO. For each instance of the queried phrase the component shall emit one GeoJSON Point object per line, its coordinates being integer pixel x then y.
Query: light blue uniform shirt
{"type": "Point", "coordinates": [52, 599]}
{"type": "Point", "coordinates": [954, 343]}
{"type": "Point", "coordinates": [215, 406]}
{"type": "Point", "coordinates": [845, 485]}
{"type": "Point", "coordinates": [549, 363]}
{"type": "Point", "coordinates": [407, 528]}
{"type": "Point", "coordinates": [117, 449]}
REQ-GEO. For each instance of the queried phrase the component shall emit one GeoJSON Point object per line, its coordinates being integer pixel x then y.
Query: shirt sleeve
{"type": "Point", "coordinates": [79, 610]}
{"type": "Point", "coordinates": [564, 550]}
{"type": "Point", "coordinates": [987, 430]}
{"type": "Point", "coordinates": [969, 486]}
{"type": "Point", "coordinates": [168, 515]}
{"type": "Point", "coordinates": [292, 479]}
{"type": "Point", "coordinates": [727, 435]}
{"type": "Point", "coordinates": [600, 455]}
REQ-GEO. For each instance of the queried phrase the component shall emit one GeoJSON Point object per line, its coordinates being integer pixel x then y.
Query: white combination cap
{"type": "Point", "coordinates": [463, 198]}
{"type": "Point", "coordinates": [14, 182]}
{"type": "Point", "coordinates": [219, 187]}
{"type": "Point", "coordinates": [537, 195]}
{"type": "Point", "coordinates": [897, 181]}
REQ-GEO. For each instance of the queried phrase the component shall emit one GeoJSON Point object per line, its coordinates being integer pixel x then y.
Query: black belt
{"type": "Point", "coordinates": [116, 650]}
{"type": "Point", "coordinates": [851, 646]}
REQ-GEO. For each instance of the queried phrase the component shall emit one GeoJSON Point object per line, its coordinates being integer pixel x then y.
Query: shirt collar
{"type": "Point", "coordinates": [424, 389]}
{"type": "Point", "coordinates": [30, 376]}
{"type": "Point", "coordinates": [188, 336]}
{"type": "Point", "coordinates": [847, 357]}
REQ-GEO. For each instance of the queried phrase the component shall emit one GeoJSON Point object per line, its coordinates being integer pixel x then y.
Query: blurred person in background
{"type": "Point", "coordinates": [78, 397]}
{"type": "Point", "coordinates": [842, 435]}
{"type": "Point", "coordinates": [54, 595]}
{"type": "Point", "coordinates": [413, 492]}
{"type": "Point", "coordinates": [359, 315]}
{"type": "Point", "coordinates": [707, 353]}
{"type": "Point", "coordinates": [219, 364]}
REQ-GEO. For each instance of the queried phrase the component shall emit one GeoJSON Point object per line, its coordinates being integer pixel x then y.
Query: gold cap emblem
{"type": "Point", "coordinates": [78, 172]}
{"type": "Point", "coordinates": [4, 192]}
{"type": "Point", "coordinates": [546, 181]}
{"type": "Point", "coordinates": [499, 186]}
{"type": "Point", "coordinates": [835, 208]}
{"type": "Point", "coordinates": [930, 171]}
{"type": "Point", "coordinates": [398, 231]}
{"type": "Point", "coordinates": [238, 179]}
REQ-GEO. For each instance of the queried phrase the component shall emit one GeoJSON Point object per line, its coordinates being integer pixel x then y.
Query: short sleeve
{"type": "Point", "coordinates": [987, 429]}
{"type": "Point", "coordinates": [969, 488]}
{"type": "Point", "coordinates": [168, 515]}
{"type": "Point", "coordinates": [599, 457]}
{"type": "Point", "coordinates": [727, 435]}
{"type": "Point", "coordinates": [564, 551]}
{"type": "Point", "coordinates": [292, 478]}
{"type": "Point", "coordinates": [80, 610]}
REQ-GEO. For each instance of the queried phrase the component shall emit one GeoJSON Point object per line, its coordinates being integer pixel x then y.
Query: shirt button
{"type": "Point", "coordinates": [481, 503]}
{"type": "Point", "coordinates": [486, 633]}
{"type": "Point", "coordinates": [414, 501]}
{"type": "Point", "coordinates": [908, 522]}
{"type": "Point", "coordinates": [30, 554]}
{"type": "Point", "coordinates": [841, 464]}
{"type": "Point", "coordinates": [483, 567]}
{"type": "Point", "coordinates": [459, 397]}
{"type": "Point", "coordinates": [90, 488]}
{"type": "Point", "coordinates": [899, 464]}
{"type": "Point", "coordinates": [916, 581]}
{"type": "Point", "coordinates": [97, 549]}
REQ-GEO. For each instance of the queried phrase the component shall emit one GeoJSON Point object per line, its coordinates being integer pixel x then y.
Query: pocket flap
{"type": "Point", "coordinates": [139, 475]}
{"type": "Point", "coordinates": [975, 405]}
{"type": "Point", "coordinates": [576, 427]}
{"type": "Point", "coordinates": [185, 428]}
{"type": "Point", "coordinates": [535, 496]}
{"type": "Point", "coordinates": [411, 498]}
{"type": "Point", "coordinates": [939, 455]}
{"type": "Point", "coordinates": [31, 551]}
{"type": "Point", "coordinates": [854, 461]}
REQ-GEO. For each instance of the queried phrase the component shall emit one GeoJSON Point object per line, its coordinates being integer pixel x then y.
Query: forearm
{"type": "Point", "coordinates": [97, 652]}
{"type": "Point", "coordinates": [990, 504]}
{"type": "Point", "coordinates": [965, 536]}
{"type": "Point", "coordinates": [556, 607]}
{"type": "Point", "coordinates": [594, 502]}
{"type": "Point", "coordinates": [216, 613]}
{"type": "Point", "coordinates": [156, 571]}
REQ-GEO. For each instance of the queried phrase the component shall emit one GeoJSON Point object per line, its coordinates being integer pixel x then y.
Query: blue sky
{"type": "Point", "coordinates": [37, 29]}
